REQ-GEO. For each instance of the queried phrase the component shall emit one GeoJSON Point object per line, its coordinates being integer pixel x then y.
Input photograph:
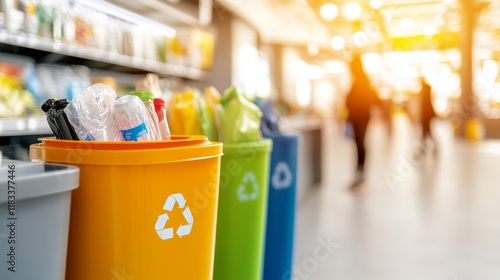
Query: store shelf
{"type": "Point", "coordinates": [24, 126]}
{"type": "Point", "coordinates": [48, 45]}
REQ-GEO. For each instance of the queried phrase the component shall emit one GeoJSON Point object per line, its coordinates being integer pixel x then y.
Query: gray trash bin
{"type": "Point", "coordinates": [35, 201]}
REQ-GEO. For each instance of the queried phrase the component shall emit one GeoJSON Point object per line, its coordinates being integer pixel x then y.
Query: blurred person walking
{"type": "Point", "coordinates": [427, 114]}
{"type": "Point", "coordinates": [359, 101]}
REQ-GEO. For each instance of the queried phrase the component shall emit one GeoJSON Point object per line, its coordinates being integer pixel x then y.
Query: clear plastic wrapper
{"type": "Point", "coordinates": [132, 119]}
{"type": "Point", "coordinates": [91, 114]}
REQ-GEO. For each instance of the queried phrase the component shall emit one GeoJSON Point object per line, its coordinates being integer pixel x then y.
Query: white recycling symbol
{"type": "Point", "coordinates": [243, 194]}
{"type": "Point", "coordinates": [184, 229]}
{"type": "Point", "coordinates": [282, 176]}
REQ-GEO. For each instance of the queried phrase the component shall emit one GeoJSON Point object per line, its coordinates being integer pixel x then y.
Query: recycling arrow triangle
{"type": "Point", "coordinates": [282, 176]}
{"type": "Point", "coordinates": [243, 194]}
{"type": "Point", "coordinates": [161, 222]}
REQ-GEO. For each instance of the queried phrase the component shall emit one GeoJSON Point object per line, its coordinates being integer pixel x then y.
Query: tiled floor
{"type": "Point", "coordinates": [431, 218]}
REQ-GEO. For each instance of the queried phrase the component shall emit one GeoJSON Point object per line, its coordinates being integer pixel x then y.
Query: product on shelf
{"type": "Point", "coordinates": [68, 22]}
{"type": "Point", "coordinates": [201, 50]}
{"type": "Point", "coordinates": [14, 16]}
{"type": "Point", "coordinates": [106, 80]}
{"type": "Point", "coordinates": [162, 49]}
{"type": "Point", "coordinates": [30, 18]}
{"type": "Point", "coordinates": [79, 23]}
{"type": "Point", "coordinates": [178, 48]}
{"type": "Point", "coordinates": [57, 81]}
{"type": "Point", "coordinates": [15, 101]}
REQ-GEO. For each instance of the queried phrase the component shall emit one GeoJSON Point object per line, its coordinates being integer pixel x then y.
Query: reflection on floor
{"type": "Point", "coordinates": [426, 218]}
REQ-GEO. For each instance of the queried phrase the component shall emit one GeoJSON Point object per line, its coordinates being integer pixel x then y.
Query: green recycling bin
{"type": "Point", "coordinates": [242, 212]}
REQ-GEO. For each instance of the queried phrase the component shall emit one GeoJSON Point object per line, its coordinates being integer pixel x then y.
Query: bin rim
{"type": "Point", "coordinates": [263, 145]}
{"type": "Point", "coordinates": [284, 137]}
{"type": "Point", "coordinates": [54, 179]}
{"type": "Point", "coordinates": [181, 148]}
{"type": "Point", "coordinates": [176, 141]}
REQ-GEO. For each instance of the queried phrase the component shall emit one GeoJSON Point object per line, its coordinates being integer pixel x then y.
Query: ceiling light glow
{"type": "Point", "coordinates": [337, 43]}
{"type": "Point", "coordinates": [329, 11]}
{"type": "Point", "coordinates": [352, 11]}
{"type": "Point", "coordinates": [376, 4]}
{"type": "Point", "coordinates": [313, 49]}
{"type": "Point", "coordinates": [407, 22]}
{"type": "Point", "coordinates": [387, 16]}
{"type": "Point", "coordinates": [360, 39]}
{"type": "Point", "coordinates": [429, 30]}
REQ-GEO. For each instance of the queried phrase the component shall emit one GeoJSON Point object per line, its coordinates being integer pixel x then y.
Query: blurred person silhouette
{"type": "Point", "coordinates": [427, 114]}
{"type": "Point", "coordinates": [359, 101]}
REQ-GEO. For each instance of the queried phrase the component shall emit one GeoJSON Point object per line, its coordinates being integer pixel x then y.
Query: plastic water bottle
{"type": "Point", "coordinates": [147, 98]}
{"type": "Point", "coordinates": [162, 118]}
{"type": "Point", "coordinates": [131, 118]}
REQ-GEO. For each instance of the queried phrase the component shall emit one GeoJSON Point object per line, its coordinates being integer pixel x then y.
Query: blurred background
{"type": "Point", "coordinates": [427, 216]}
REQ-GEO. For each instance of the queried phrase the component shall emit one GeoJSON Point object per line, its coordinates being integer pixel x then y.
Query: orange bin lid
{"type": "Point", "coordinates": [175, 141]}
{"type": "Point", "coordinates": [179, 148]}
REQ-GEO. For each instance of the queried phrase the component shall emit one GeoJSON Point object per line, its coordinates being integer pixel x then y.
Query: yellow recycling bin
{"type": "Point", "coordinates": [144, 210]}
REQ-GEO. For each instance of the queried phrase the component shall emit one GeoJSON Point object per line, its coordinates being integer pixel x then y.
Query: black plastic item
{"type": "Point", "coordinates": [47, 108]}
{"type": "Point", "coordinates": [65, 128]}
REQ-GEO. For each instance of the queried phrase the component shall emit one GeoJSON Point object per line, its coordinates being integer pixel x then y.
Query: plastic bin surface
{"type": "Point", "coordinates": [281, 208]}
{"type": "Point", "coordinates": [241, 219]}
{"type": "Point", "coordinates": [35, 202]}
{"type": "Point", "coordinates": [144, 210]}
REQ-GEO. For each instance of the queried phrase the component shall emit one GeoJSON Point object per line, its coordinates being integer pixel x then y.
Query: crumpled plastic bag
{"type": "Point", "coordinates": [269, 125]}
{"type": "Point", "coordinates": [238, 118]}
{"type": "Point", "coordinates": [183, 114]}
{"type": "Point", "coordinates": [91, 114]}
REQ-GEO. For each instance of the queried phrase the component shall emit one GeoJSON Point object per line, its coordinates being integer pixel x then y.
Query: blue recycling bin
{"type": "Point", "coordinates": [281, 208]}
